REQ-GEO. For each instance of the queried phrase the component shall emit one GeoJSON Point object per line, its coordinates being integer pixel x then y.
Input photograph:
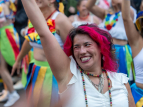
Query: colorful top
{"type": "Point", "coordinates": [114, 24]}
{"type": "Point", "coordinates": [33, 37]}
{"type": "Point", "coordinates": [11, 7]}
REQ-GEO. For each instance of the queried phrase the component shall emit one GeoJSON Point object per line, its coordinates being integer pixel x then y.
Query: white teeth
{"type": "Point", "coordinates": [85, 59]}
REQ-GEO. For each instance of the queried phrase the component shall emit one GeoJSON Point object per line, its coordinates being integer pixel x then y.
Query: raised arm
{"type": "Point", "coordinates": [99, 12]}
{"type": "Point", "coordinates": [57, 59]}
{"type": "Point", "coordinates": [132, 33]}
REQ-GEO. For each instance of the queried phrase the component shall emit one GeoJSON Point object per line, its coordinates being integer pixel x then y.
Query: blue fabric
{"type": "Point", "coordinates": [122, 61]}
{"type": "Point", "coordinates": [29, 74]}
{"type": "Point", "coordinates": [55, 95]}
{"type": "Point", "coordinates": [118, 49]}
{"type": "Point", "coordinates": [35, 76]}
{"type": "Point", "coordinates": [136, 92]}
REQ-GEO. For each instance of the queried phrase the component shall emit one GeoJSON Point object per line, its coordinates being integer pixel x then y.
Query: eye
{"type": "Point", "coordinates": [75, 47]}
{"type": "Point", "coordinates": [87, 44]}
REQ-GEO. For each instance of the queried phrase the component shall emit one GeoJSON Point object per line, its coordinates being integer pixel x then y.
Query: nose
{"type": "Point", "coordinates": [82, 50]}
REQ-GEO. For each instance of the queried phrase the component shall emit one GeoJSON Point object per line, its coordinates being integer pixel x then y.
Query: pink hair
{"type": "Point", "coordinates": [101, 37]}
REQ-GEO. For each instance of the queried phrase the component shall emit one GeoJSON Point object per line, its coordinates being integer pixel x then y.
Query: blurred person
{"type": "Point", "coordinates": [84, 16]}
{"type": "Point", "coordinates": [141, 6]}
{"type": "Point", "coordinates": [113, 22]}
{"type": "Point", "coordinates": [20, 20]}
{"type": "Point", "coordinates": [135, 39]}
{"type": "Point", "coordinates": [70, 7]}
{"type": "Point", "coordinates": [42, 87]}
{"type": "Point", "coordinates": [9, 49]}
{"type": "Point", "coordinates": [88, 76]}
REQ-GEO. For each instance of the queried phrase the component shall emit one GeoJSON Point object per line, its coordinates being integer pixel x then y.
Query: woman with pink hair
{"type": "Point", "coordinates": [85, 72]}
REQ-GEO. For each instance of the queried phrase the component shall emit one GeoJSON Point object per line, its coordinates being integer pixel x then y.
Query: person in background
{"type": "Point", "coordinates": [113, 22]}
{"type": "Point", "coordinates": [21, 20]}
{"type": "Point", "coordinates": [84, 16]}
{"type": "Point", "coordinates": [9, 49]}
{"type": "Point", "coordinates": [135, 39]}
{"type": "Point", "coordinates": [42, 87]}
{"type": "Point", "coordinates": [70, 7]}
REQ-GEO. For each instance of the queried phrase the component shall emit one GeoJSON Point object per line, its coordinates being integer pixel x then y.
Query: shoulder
{"type": "Point", "coordinates": [118, 77]}
{"type": "Point", "coordinates": [71, 18]}
{"type": "Point", "coordinates": [61, 19]}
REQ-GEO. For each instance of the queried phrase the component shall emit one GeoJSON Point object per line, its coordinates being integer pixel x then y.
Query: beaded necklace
{"type": "Point", "coordinates": [108, 24]}
{"type": "Point", "coordinates": [81, 71]}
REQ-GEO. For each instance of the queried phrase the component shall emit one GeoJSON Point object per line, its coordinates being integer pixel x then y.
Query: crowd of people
{"type": "Point", "coordinates": [72, 53]}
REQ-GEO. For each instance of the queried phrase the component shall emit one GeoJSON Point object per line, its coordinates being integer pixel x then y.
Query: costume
{"type": "Point", "coordinates": [40, 78]}
{"type": "Point", "coordinates": [9, 39]}
{"type": "Point", "coordinates": [77, 23]}
{"type": "Point", "coordinates": [73, 96]}
{"type": "Point", "coordinates": [114, 24]}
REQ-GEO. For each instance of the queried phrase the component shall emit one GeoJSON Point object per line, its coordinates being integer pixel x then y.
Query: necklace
{"type": "Point", "coordinates": [51, 14]}
{"type": "Point", "coordinates": [108, 24]}
{"type": "Point", "coordinates": [99, 86]}
{"type": "Point", "coordinates": [84, 17]}
{"type": "Point", "coordinates": [86, 102]}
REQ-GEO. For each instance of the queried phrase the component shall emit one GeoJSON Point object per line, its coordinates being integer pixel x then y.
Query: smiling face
{"type": "Point", "coordinates": [86, 52]}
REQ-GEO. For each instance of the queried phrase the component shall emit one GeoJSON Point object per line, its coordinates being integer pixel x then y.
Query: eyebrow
{"type": "Point", "coordinates": [83, 43]}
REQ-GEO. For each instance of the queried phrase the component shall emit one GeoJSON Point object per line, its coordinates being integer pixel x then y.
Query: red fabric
{"type": "Point", "coordinates": [31, 30]}
{"type": "Point", "coordinates": [13, 43]}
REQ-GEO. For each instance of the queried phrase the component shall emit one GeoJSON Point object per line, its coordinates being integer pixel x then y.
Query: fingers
{"type": "Point", "coordinates": [13, 71]}
{"type": "Point", "coordinates": [18, 70]}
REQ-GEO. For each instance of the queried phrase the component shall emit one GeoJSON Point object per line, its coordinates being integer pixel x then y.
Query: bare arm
{"type": "Point", "coordinates": [24, 50]}
{"type": "Point", "coordinates": [132, 33]}
{"type": "Point", "coordinates": [130, 97]}
{"type": "Point", "coordinates": [99, 12]}
{"type": "Point", "coordinates": [65, 28]}
{"type": "Point", "coordinates": [57, 59]}
{"type": "Point", "coordinates": [71, 18]}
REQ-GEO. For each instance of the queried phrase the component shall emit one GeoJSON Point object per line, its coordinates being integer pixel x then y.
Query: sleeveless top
{"type": "Point", "coordinates": [138, 65]}
{"type": "Point", "coordinates": [33, 37]}
{"type": "Point", "coordinates": [77, 23]}
{"type": "Point", "coordinates": [118, 31]}
{"type": "Point", "coordinates": [73, 96]}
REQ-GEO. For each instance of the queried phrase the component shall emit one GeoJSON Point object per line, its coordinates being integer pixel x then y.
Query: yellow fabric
{"type": "Point", "coordinates": [38, 85]}
{"type": "Point", "coordinates": [138, 23]}
{"type": "Point", "coordinates": [1, 9]}
{"type": "Point", "coordinates": [61, 7]}
{"type": "Point", "coordinates": [12, 6]}
{"type": "Point", "coordinates": [140, 103]}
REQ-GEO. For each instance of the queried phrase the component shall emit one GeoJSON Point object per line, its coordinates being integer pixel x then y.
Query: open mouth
{"type": "Point", "coordinates": [85, 59]}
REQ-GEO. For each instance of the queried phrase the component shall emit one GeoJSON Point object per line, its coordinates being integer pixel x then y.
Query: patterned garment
{"type": "Point", "coordinates": [41, 85]}
{"type": "Point", "coordinates": [9, 44]}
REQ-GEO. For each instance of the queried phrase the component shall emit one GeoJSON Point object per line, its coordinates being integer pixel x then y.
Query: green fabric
{"type": "Point", "coordinates": [47, 84]}
{"type": "Point", "coordinates": [69, 3]}
{"type": "Point", "coordinates": [24, 78]}
{"type": "Point", "coordinates": [129, 61]}
{"type": "Point", "coordinates": [5, 46]}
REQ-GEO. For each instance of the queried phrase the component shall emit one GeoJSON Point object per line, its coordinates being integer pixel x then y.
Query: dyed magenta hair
{"type": "Point", "coordinates": [101, 37]}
